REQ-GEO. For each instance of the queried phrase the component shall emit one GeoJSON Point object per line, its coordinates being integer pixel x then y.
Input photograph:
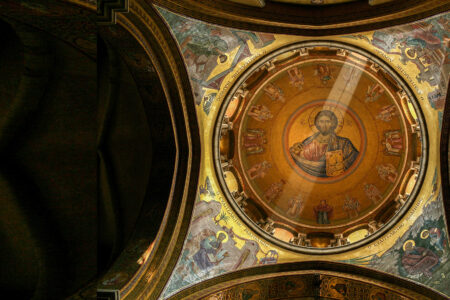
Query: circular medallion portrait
{"type": "Point", "coordinates": [319, 147]}
{"type": "Point", "coordinates": [324, 141]}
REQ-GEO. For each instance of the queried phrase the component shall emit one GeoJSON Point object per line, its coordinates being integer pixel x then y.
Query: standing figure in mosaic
{"type": "Point", "coordinates": [323, 212]}
{"type": "Point", "coordinates": [387, 172]}
{"type": "Point", "coordinates": [351, 207]}
{"type": "Point", "coordinates": [374, 91]}
{"type": "Point", "coordinates": [393, 142]}
{"type": "Point", "coordinates": [386, 113]}
{"type": "Point", "coordinates": [296, 78]}
{"type": "Point", "coordinates": [274, 92]}
{"type": "Point", "coordinates": [254, 141]}
{"type": "Point", "coordinates": [260, 113]}
{"type": "Point", "coordinates": [324, 73]}
{"type": "Point", "coordinates": [373, 193]}
{"type": "Point", "coordinates": [259, 170]}
{"type": "Point", "coordinates": [295, 206]}
{"type": "Point", "coordinates": [274, 191]}
{"type": "Point", "coordinates": [324, 154]}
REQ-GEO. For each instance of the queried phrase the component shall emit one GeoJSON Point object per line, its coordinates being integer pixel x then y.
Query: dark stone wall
{"type": "Point", "coordinates": [87, 152]}
{"type": "Point", "coordinates": [47, 165]}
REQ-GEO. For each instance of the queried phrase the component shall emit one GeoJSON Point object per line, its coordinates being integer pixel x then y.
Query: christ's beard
{"type": "Point", "coordinates": [325, 132]}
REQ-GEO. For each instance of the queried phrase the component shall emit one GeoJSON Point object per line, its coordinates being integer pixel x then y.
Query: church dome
{"type": "Point", "coordinates": [319, 146]}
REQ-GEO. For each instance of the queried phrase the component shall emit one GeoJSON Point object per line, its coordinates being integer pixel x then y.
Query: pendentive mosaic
{"type": "Point", "coordinates": [219, 241]}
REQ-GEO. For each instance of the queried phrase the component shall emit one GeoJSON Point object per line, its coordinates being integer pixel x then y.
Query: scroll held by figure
{"type": "Point", "coordinates": [324, 154]}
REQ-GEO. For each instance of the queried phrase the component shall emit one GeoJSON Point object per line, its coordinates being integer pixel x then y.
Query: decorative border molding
{"type": "Point", "coordinates": [107, 9]}
{"type": "Point", "coordinates": [144, 23]}
{"type": "Point", "coordinates": [308, 267]}
{"type": "Point", "coordinates": [445, 157]}
{"type": "Point", "coordinates": [306, 20]}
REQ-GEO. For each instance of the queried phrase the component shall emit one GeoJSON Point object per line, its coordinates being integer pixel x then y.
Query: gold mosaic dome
{"type": "Point", "coordinates": [320, 145]}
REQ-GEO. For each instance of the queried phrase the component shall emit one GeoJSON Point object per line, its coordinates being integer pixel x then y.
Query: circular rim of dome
{"type": "Point", "coordinates": [307, 249]}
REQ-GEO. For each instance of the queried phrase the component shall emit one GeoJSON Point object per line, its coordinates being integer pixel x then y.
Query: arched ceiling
{"type": "Point", "coordinates": [166, 68]}
{"type": "Point", "coordinates": [217, 60]}
{"type": "Point", "coordinates": [308, 280]}
{"type": "Point", "coordinates": [218, 241]}
{"type": "Point", "coordinates": [309, 20]}
{"type": "Point", "coordinates": [89, 150]}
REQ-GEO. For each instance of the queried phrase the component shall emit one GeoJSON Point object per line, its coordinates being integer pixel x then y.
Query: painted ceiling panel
{"type": "Point", "coordinates": [219, 241]}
